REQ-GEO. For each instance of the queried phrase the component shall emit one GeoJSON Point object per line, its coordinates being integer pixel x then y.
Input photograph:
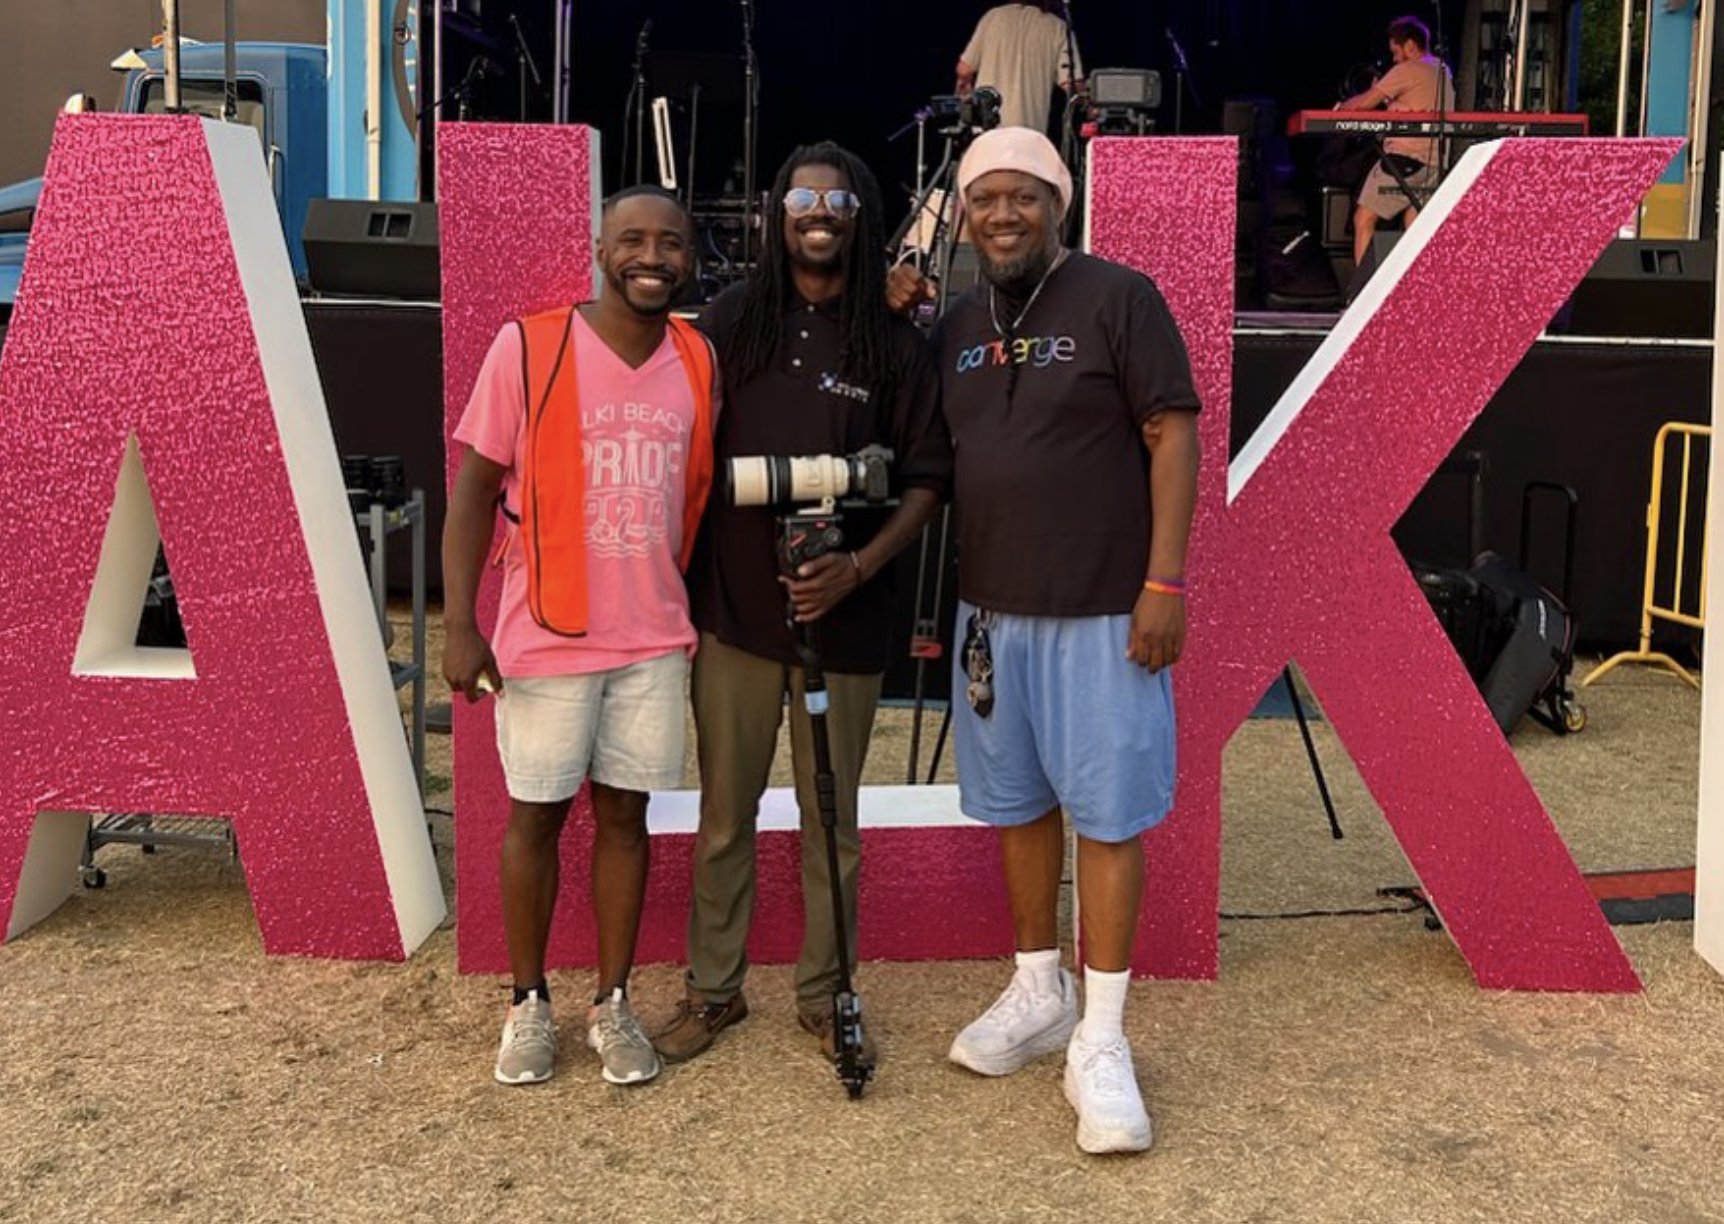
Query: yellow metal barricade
{"type": "Point", "coordinates": [1650, 608]}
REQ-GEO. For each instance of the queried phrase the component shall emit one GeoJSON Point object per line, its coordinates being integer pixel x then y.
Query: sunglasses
{"type": "Point", "coordinates": [800, 201]}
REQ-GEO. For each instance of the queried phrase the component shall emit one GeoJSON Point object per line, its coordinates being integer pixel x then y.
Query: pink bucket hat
{"type": "Point", "coordinates": [1016, 148]}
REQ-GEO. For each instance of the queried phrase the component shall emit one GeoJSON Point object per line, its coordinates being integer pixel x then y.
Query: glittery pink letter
{"type": "Point", "coordinates": [158, 369]}
{"type": "Point", "coordinates": [518, 217]}
{"type": "Point", "coordinates": [1292, 558]}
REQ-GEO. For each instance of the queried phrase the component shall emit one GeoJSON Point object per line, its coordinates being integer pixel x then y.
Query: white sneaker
{"type": "Point", "coordinates": [1101, 1085]}
{"type": "Point", "coordinates": [626, 1056]}
{"type": "Point", "coordinates": [529, 1049]}
{"type": "Point", "coordinates": [1019, 1028]}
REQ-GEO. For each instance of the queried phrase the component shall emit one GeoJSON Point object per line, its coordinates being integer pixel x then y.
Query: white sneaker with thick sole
{"type": "Point", "coordinates": [626, 1055]}
{"type": "Point", "coordinates": [1020, 1027]}
{"type": "Point", "coordinates": [528, 1053]}
{"type": "Point", "coordinates": [1101, 1085]}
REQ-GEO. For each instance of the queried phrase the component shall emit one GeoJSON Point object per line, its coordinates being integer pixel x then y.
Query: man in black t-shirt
{"type": "Point", "coordinates": [1069, 397]}
{"type": "Point", "coordinates": [813, 363]}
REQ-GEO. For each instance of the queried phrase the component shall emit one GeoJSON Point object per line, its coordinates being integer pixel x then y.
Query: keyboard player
{"type": "Point", "coordinates": [1416, 81]}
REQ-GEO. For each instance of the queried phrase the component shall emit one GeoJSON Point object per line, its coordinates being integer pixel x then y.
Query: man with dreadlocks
{"type": "Point", "coordinates": [813, 363]}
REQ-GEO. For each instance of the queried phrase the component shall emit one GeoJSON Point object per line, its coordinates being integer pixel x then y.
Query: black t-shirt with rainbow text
{"type": "Point", "coordinates": [1052, 480]}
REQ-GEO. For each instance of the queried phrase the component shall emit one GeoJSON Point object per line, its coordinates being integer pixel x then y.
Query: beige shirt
{"type": "Point", "coordinates": [1021, 51]}
{"type": "Point", "coordinates": [1417, 85]}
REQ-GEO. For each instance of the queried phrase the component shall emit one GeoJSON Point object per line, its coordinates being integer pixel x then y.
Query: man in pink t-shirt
{"type": "Point", "coordinates": [1416, 81]}
{"type": "Point", "coordinates": [606, 705]}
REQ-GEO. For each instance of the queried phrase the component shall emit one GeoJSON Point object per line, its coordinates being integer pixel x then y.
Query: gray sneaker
{"type": "Point", "coordinates": [529, 1050]}
{"type": "Point", "coordinates": [626, 1054]}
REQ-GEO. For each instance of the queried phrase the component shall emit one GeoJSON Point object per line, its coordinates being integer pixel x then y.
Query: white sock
{"type": "Point", "coordinates": [1103, 1006]}
{"type": "Point", "coordinates": [1040, 970]}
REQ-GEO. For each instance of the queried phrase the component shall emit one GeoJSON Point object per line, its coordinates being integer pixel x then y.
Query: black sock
{"type": "Point", "coordinates": [542, 990]}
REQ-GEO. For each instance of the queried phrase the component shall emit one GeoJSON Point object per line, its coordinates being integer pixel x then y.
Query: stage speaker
{"type": "Point", "coordinates": [1645, 287]}
{"type": "Point", "coordinates": [1382, 242]}
{"type": "Point", "coordinates": [372, 248]}
{"type": "Point", "coordinates": [1337, 215]}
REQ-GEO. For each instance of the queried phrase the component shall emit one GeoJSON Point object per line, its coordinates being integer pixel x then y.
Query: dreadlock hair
{"type": "Point", "coordinates": [865, 355]}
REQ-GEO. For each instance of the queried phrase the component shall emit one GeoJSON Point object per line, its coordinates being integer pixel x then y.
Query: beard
{"type": "Point", "coordinates": [646, 309]}
{"type": "Point", "coordinates": [1018, 277]}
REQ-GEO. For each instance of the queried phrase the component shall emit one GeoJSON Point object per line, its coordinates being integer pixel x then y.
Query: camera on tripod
{"type": "Point", "coordinates": [811, 488]}
{"type": "Point", "coordinates": [819, 484]}
{"type": "Point", "coordinates": [967, 116]}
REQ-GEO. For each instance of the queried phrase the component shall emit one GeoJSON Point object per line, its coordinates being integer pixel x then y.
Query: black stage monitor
{"type": "Point", "coordinates": [372, 248]}
{"type": "Point", "coordinates": [1660, 287]}
{"type": "Point", "coordinates": [1136, 88]}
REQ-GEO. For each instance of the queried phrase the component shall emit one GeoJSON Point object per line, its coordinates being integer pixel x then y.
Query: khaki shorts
{"type": "Point", "coordinates": [622, 728]}
{"type": "Point", "coordinates": [1383, 195]}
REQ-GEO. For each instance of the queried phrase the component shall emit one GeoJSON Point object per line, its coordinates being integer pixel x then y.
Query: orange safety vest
{"type": "Point", "coordinates": [553, 516]}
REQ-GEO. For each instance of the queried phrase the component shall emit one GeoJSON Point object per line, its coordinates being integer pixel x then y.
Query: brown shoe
{"type": "Point", "coordinates": [695, 1024]}
{"type": "Point", "coordinates": [818, 1022]}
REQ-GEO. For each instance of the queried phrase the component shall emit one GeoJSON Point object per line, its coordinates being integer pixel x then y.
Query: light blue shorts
{"type": "Point", "coordinates": [1075, 724]}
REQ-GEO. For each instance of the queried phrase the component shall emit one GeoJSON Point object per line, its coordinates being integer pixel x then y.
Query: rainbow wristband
{"type": "Point", "coordinates": [1163, 586]}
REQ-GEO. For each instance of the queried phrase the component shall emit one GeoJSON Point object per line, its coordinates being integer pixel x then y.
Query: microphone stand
{"type": "Point", "coordinates": [693, 138]}
{"type": "Point", "coordinates": [1181, 82]}
{"type": "Point", "coordinates": [525, 68]}
{"type": "Point", "coordinates": [478, 68]}
{"type": "Point", "coordinates": [750, 122]}
{"type": "Point", "coordinates": [634, 110]}
{"type": "Point", "coordinates": [1444, 81]}
{"type": "Point", "coordinates": [1071, 48]}
{"type": "Point", "coordinates": [1072, 148]}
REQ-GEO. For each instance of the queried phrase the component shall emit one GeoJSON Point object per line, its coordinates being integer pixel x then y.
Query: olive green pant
{"type": "Point", "coordinates": [739, 701]}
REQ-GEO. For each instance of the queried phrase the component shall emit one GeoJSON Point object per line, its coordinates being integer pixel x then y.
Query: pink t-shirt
{"type": "Point", "coordinates": [635, 427]}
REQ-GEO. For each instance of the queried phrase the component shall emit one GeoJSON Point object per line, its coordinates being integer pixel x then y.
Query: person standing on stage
{"type": "Point", "coordinates": [813, 363]}
{"type": "Point", "coordinates": [1416, 81]}
{"type": "Point", "coordinates": [1068, 392]}
{"type": "Point", "coordinates": [1023, 51]}
{"type": "Point", "coordinates": [591, 427]}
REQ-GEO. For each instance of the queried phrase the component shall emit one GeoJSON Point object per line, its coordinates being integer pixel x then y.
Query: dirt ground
{"type": "Point", "coordinates": [155, 1065]}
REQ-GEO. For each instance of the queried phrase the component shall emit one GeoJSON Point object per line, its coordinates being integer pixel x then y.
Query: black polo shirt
{"type": "Point", "coordinates": [801, 405]}
{"type": "Point", "coordinates": [1052, 475]}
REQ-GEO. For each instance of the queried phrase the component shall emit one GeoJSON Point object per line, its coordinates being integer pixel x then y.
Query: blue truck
{"type": "Point", "coordinates": [285, 92]}
{"type": "Point", "coordinates": [17, 214]}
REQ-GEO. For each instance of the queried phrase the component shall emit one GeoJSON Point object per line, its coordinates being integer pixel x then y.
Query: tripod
{"type": "Point", "coordinates": [802, 536]}
{"type": "Point", "coordinates": [925, 645]}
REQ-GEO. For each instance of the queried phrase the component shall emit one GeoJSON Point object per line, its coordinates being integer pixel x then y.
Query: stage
{"type": "Point", "coordinates": [1577, 412]}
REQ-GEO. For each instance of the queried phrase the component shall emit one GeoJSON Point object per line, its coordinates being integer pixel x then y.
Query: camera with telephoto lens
{"type": "Point", "coordinates": [819, 484]}
{"type": "Point", "coordinates": [779, 480]}
{"type": "Point", "coordinates": [966, 116]}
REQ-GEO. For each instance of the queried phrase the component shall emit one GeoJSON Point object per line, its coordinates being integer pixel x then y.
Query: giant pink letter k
{"type": "Point", "coordinates": [1291, 556]}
